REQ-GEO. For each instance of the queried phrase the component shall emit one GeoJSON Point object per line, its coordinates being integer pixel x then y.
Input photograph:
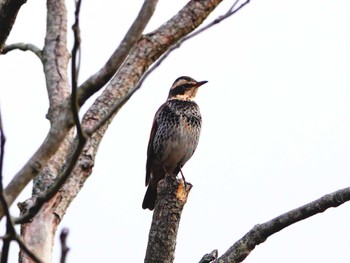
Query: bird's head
{"type": "Point", "coordinates": [184, 88]}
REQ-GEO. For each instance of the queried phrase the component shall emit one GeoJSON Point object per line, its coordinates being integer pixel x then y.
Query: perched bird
{"type": "Point", "coordinates": [174, 135]}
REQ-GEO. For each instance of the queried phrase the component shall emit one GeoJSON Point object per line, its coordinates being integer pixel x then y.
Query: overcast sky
{"type": "Point", "coordinates": [275, 134]}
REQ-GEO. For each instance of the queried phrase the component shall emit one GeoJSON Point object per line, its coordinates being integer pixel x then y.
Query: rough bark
{"type": "Point", "coordinates": [172, 197]}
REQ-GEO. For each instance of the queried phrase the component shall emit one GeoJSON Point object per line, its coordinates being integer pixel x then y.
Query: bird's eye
{"type": "Point", "coordinates": [179, 90]}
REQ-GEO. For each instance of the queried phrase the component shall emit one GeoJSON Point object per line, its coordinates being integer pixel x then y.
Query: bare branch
{"type": "Point", "coordinates": [100, 78]}
{"type": "Point", "coordinates": [8, 14]}
{"type": "Point", "coordinates": [56, 57]}
{"type": "Point", "coordinates": [64, 247]}
{"type": "Point", "coordinates": [75, 71]}
{"type": "Point", "coordinates": [172, 197]}
{"type": "Point", "coordinates": [242, 248]}
{"type": "Point", "coordinates": [24, 47]}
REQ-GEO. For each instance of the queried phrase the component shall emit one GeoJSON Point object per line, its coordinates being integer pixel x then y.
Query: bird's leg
{"type": "Point", "coordinates": [183, 177]}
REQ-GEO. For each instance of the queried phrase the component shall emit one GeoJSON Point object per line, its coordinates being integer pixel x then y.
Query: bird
{"type": "Point", "coordinates": [174, 135]}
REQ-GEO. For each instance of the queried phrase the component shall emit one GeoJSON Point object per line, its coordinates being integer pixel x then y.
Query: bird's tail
{"type": "Point", "coordinates": [149, 200]}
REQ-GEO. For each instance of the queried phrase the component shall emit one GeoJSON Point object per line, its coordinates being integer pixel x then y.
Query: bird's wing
{"type": "Point", "coordinates": [150, 152]}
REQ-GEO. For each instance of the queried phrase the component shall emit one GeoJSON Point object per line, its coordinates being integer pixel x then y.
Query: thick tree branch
{"type": "Point", "coordinates": [24, 47]}
{"type": "Point", "coordinates": [100, 78]}
{"type": "Point", "coordinates": [172, 197]}
{"type": "Point", "coordinates": [242, 248]}
{"type": "Point", "coordinates": [8, 13]}
{"type": "Point", "coordinates": [56, 57]}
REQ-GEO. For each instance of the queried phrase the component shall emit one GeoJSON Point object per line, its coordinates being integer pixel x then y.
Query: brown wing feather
{"type": "Point", "coordinates": [150, 153]}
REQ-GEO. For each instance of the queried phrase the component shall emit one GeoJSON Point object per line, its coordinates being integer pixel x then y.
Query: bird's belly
{"type": "Point", "coordinates": [178, 147]}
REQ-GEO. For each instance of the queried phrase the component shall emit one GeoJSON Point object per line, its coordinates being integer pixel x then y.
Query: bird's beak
{"type": "Point", "coordinates": [200, 83]}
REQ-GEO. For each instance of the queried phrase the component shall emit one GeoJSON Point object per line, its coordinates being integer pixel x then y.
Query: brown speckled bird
{"type": "Point", "coordinates": [174, 135]}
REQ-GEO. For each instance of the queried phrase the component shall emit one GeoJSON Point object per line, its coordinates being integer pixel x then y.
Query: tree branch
{"type": "Point", "coordinates": [242, 248]}
{"type": "Point", "coordinates": [172, 197]}
{"type": "Point", "coordinates": [100, 78]}
{"type": "Point", "coordinates": [76, 52]}
{"type": "Point", "coordinates": [24, 47]}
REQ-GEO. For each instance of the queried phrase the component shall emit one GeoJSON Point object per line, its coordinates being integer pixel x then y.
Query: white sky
{"type": "Point", "coordinates": [276, 130]}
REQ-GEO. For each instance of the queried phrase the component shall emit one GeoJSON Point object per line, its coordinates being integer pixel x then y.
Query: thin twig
{"type": "Point", "coordinates": [64, 247]}
{"type": "Point", "coordinates": [24, 47]}
{"type": "Point", "coordinates": [76, 51]}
